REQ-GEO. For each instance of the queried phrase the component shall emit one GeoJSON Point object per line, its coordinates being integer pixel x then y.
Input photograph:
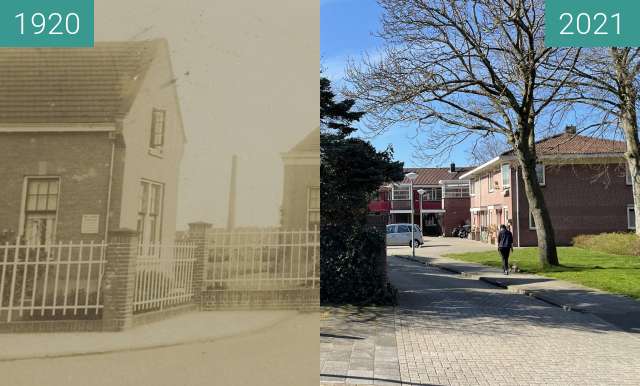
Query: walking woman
{"type": "Point", "coordinates": [505, 246]}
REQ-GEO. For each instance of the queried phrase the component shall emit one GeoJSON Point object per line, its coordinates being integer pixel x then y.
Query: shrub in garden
{"type": "Point", "coordinates": [352, 267]}
{"type": "Point", "coordinates": [613, 243]}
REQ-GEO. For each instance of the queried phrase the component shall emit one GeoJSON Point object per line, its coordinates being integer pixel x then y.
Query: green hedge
{"type": "Point", "coordinates": [353, 266]}
{"type": "Point", "coordinates": [625, 244]}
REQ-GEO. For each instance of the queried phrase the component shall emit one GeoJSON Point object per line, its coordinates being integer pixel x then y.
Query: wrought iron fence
{"type": "Point", "coordinates": [54, 281]}
{"type": "Point", "coordinates": [269, 259]}
{"type": "Point", "coordinates": [164, 275]}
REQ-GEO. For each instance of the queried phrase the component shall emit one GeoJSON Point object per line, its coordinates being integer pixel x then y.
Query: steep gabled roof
{"type": "Point", "coordinates": [432, 176]}
{"type": "Point", "coordinates": [567, 144]}
{"type": "Point", "coordinates": [72, 85]}
{"type": "Point", "coordinates": [310, 143]}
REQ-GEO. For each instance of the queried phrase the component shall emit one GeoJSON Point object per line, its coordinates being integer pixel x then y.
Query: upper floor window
{"type": "Point", "coordinates": [506, 175]}
{"type": "Point", "coordinates": [401, 192]}
{"type": "Point", "coordinates": [627, 175]}
{"type": "Point", "coordinates": [156, 142]}
{"type": "Point", "coordinates": [41, 209]}
{"type": "Point", "coordinates": [540, 174]}
{"type": "Point", "coordinates": [472, 187]}
{"type": "Point", "coordinates": [313, 208]}
{"type": "Point", "coordinates": [456, 190]}
{"type": "Point", "coordinates": [432, 194]}
{"type": "Point", "coordinates": [490, 182]}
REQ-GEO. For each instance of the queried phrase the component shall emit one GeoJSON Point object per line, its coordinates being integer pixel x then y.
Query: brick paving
{"type": "Point", "coordinates": [452, 330]}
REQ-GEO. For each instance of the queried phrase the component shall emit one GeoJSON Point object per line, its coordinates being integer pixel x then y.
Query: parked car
{"type": "Point", "coordinates": [400, 234]}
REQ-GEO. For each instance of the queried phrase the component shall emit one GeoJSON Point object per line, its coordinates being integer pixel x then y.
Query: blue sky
{"type": "Point", "coordinates": [347, 29]}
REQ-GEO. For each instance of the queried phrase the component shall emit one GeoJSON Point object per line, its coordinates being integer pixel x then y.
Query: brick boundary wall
{"type": "Point", "coordinates": [156, 316]}
{"type": "Point", "coordinates": [308, 298]}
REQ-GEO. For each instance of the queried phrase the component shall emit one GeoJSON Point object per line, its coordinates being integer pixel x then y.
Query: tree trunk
{"type": "Point", "coordinates": [632, 155]}
{"type": "Point", "coordinates": [544, 229]}
{"type": "Point", "coordinates": [629, 122]}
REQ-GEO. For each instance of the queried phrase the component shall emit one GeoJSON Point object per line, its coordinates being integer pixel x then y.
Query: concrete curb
{"type": "Point", "coordinates": [539, 295]}
{"type": "Point", "coordinates": [150, 346]}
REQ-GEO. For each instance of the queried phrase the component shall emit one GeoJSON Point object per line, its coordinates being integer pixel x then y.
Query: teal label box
{"type": "Point", "coordinates": [46, 23]}
{"type": "Point", "coordinates": [592, 23]}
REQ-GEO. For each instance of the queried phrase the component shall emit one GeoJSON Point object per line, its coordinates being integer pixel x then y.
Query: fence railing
{"type": "Point", "coordinates": [54, 281]}
{"type": "Point", "coordinates": [164, 275]}
{"type": "Point", "coordinates": [267, 259]}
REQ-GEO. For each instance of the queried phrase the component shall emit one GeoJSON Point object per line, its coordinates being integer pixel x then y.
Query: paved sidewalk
{"type": "Point", "coordinates": [188, 328]}
{"type": "Point", "coordinates": [622, 311]}
{"type": "Point", "coordinates": [454, 330]}
{"type": "Point", "coordinates": [358, 346]}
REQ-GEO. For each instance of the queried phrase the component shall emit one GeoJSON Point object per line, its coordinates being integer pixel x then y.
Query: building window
{"type": "Point", "coordinates": [401, 192]}
{"type": "Point", "coordinates": [432, 194]}
{"type": "Point", "coordinates": [541, 174]}
{"type": "Point", "coordinates": [150, 209]}
{"type": "Point", "coordinates": [506, 175]}
{"type": "Point", "coordinates": [313, 208]}
{"type": "Point", "coordinates": [490, 181]}
{"type": "Point", "coordinates": [156, 141]}
{"type": "Point", "coordinates": [506, 216]}
{"type": "Point", "coordinates": [472, 187]}
{"type": "Point", "coordinates": [456, 190]}
{"type": "Point", "coordinates": [627, 175]}
{"type": "Point", "coordinates": [532, 223]}
{"type": "Point", "coordinates": [41, 210]}
{"type": "Point", "coordinates": [631, 217]}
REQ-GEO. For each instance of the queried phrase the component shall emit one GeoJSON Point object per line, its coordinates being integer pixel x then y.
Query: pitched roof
{"type": "Point", "coordinates": [72, 85]}
{"type": "Point", "coordinates": [431, 176]}
{"type": "Point", "coordinates": [576, 144]}
{"type": "Point", "coordinates": [310, 143]}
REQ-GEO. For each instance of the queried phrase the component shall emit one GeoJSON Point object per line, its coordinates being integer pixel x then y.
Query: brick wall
{"type": "Point", "coordinates": [81, 160]}
{"type": "Point", "coordinates": [457, 213]}
{"type": "Point", "coordinates": [582, 199]}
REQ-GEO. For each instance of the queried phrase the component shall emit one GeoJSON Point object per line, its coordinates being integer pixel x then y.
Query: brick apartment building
{"type": "Point", "coordinates": [301, 195]}
{"type": "Point", "coordinates": [445, 201]}
{"type": "Point", "coordinates": [90, 140]}
{"type": "Point", "coordinates": [584, 181]}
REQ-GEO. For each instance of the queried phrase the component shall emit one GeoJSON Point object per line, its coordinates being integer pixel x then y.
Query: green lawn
{"type": "Point", "coordinates": [613, 273]}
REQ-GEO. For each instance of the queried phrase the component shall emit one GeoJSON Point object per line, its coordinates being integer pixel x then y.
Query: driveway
{"type": "Point", "coordinates": [437, 246]}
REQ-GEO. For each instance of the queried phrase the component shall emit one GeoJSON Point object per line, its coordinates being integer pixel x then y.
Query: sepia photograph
{"type": "Point", "coordinates": [160, 210]}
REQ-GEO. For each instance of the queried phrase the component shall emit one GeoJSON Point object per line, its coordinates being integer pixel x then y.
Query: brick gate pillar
{"type": "Point", "coordinates": [198, 236]}
{"type": "Point", "coordinates": [119, 280]}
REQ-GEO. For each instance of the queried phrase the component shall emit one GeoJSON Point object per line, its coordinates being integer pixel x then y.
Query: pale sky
{"type": "Point", "coordinates": [248, 83]}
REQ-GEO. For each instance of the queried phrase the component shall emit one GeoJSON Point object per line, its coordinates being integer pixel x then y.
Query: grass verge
{"type": "Point", "coordinates": [608, 272]}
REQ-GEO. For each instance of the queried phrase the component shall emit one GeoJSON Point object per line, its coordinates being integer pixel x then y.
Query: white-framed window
{"type": "Point", "coordinates": [532, 222]}
{"type": "Point", "coordinates": [489, 219]}
{"type": "Point", "coordinates": [313, 207]}
{"type": "Point", "coordinates": [472, 187]}
{"type": "Point", "coordinates": [631, 217]}
{"type": "Point", "coordinates": [150, 210]}
{"type": "Point", "coordinates": [156, 140]}
{"type": "Point", "coordinates": [627, 175]}
{"type": "Point", "coordinates": [432, 194]}
{"type": "Point", "coordinates": [401, 192]}
{"type": "Point", "coordinates": [41, 197]}
{"type": "Point", "coordinates": [541, 174]}
{"type": "Point", "coordinates": [505, 171]}
{"type": "Point", "coordinates": [490, 182]}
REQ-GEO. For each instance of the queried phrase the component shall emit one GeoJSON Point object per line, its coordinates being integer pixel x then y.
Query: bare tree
{"type": "Point", "coordinates": [469, 67]}
{"type": "Point", "coordinates": [486, 148]}
{"type": "Point", "coordinates": [608, 80]}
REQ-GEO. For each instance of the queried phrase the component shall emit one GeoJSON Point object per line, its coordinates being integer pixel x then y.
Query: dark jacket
{"type": "Point", "coordinates": [505, 239]}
